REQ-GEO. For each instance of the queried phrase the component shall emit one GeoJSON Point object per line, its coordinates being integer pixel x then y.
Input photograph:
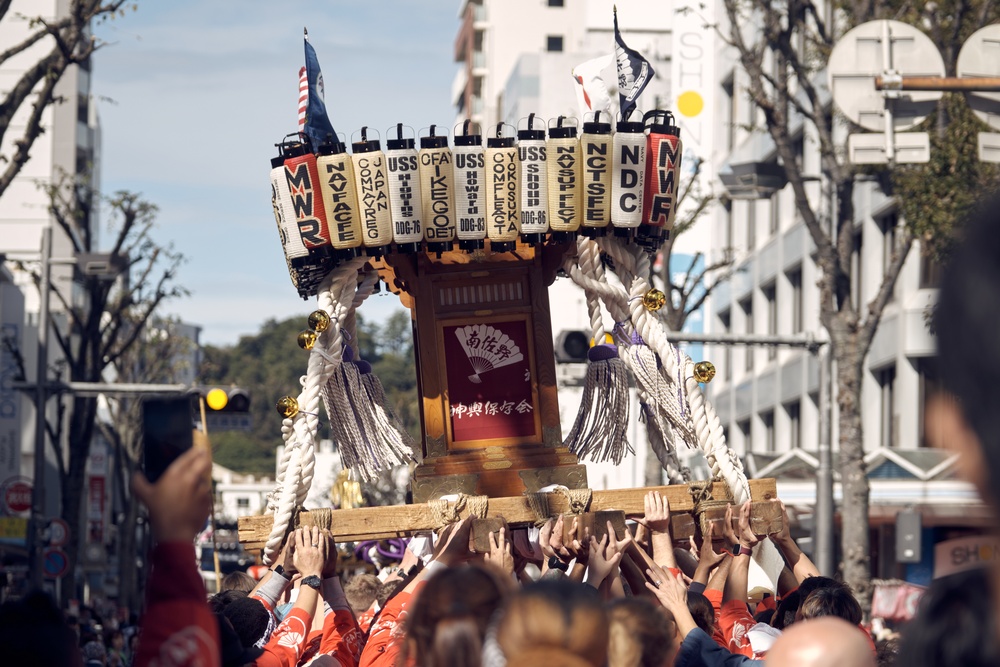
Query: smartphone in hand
{"type": "Point", "coordinates": [167, 432]}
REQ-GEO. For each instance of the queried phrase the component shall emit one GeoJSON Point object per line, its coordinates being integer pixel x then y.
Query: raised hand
{"type": "Point", "coordinates": [747, 537]}
{"type": "Point", "coordinates": [455, 543]}
{"type": "Point", "coordinates": [181, 500]}
{"type": "Point", "coordinates": [310, 551]}
{"type": "Point", "coordinates": [500, 551]}
{"type": "Point", "coordinates": [656, 514]}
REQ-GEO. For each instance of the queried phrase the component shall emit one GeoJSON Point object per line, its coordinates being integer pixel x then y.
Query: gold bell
{"type": "Point", "coordinates": [319, 321]}
{"type": "Point", "coordinates": [287, 407]}
{"type": "Point", "coordinates": [704, 371]}
{"type": "Point", "coordinates": [654, 299]}
{"type": "Point", "coordinates": [307, 339]}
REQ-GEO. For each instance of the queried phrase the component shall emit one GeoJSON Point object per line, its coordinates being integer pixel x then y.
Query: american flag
{"type": "Point", "coordinates": [303, 98]}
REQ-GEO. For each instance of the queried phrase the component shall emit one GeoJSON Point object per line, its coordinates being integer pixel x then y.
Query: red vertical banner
{"type": "Point", "coordinates": [95, 510]}
{"type": "Point", "coordinates": [489, 381]}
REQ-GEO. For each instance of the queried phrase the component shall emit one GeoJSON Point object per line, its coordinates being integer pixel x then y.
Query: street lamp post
{"type": "Point", "coordinates": [35, 547]}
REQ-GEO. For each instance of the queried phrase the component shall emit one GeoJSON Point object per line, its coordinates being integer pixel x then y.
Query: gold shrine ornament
{"type": "Point", "coordinates": [307, 339]}
{"type": "Point", "coordinates": [319, 321]}
{"type": "Point", "coordinates": [704, 371]}
{"type": "Point", "coordinates": [287, 407]}
{"type": "Point", "coordinates": [654, 299]}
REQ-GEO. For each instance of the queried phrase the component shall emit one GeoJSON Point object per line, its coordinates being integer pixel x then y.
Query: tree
{"type": "Point", "coordinates": [67, 41]}
{"type": "Point", "coordinates": [99, 329]}
{"type": "Point", "coordinates": [782, 48]}
{"type": "Point", "coordinates": [269, 365]}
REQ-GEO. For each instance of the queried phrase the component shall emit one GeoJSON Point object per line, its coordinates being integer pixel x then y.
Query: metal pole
{"type": "Point", "coordinates": [824, 508]}
{"type": "Point", "coordinates": [36, 547]}
{"type": "Point", "coordinates": [955, 84]}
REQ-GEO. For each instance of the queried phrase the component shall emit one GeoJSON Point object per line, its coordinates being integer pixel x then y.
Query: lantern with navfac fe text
{"type": "Point", "coordinates": [340, 199]}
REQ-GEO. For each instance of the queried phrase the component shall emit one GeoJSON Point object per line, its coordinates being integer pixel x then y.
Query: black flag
{"type": "Point", "coordinates": [634, 73]}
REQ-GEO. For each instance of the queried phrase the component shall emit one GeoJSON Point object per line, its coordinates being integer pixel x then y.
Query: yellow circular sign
{"type": "Point", "coordinates": [217, 398]}
{"type": "Point", "coordinates": [690, 103]}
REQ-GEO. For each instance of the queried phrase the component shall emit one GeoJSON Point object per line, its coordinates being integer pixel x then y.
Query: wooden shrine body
{"type": "Point", "coordinates": [518, 451]}
{"type": "Point", "coordinates": [500, 436]}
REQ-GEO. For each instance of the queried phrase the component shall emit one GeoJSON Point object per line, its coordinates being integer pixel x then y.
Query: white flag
{"type": "Point", "coordinates": [592, 91]}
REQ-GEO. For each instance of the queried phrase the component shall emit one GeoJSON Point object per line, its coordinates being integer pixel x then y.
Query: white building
{"type": "Point", "coordinates": [70, 144]}
{"type": "Point", "coordinates": [767, 397]}
{"type": "Point", "coordinates": [517, 58]}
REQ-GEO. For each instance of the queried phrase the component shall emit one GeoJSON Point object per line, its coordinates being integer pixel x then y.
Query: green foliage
{"type": "Point", "coordinates": [269, 364]}
{"type": "Point", "coordinates": [936, 196]}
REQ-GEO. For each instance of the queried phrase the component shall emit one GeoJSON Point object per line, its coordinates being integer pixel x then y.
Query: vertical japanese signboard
{"type": "Point", "coordinates": [490, 393]}
{"type": "Point", "coordinates": [11, 412]}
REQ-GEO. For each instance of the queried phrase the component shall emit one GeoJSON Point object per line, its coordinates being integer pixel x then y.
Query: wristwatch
{"type": "Point", "coordinates": [556, 564]}
{"type": "Point", "coordinates": [741, 550]}
{"type": "Point", "coordinates": [312, 581]}
{"type": "Point", "coordinates": [278, 570]}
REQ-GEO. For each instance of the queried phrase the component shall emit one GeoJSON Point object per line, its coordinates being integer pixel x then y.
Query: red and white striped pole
{"type": "Point", "coordinates": [303, 98]}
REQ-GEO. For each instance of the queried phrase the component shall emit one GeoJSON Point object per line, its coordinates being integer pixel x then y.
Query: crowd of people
{"type": "Point", "coordinates": [558, 597]}
{"type": "Point", "coordinates": [552, 596]}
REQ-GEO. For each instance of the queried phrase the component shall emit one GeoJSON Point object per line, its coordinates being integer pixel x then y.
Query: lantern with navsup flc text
{"type": "Point", "coordinates": [563, 163]}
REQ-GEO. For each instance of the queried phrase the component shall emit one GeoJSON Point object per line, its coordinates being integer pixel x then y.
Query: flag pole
{"type": "Point", "coordinates": [208, 446]}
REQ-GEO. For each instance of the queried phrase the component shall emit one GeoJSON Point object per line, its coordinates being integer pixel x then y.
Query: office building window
{"type": "Point", "coordinates": [557, 3]}
{"type": "Point", "coordinates": [772, 318]}
{"type": "Point", "coordinates": [243, 503]}
{"type": "Point", "coordinates": [730, 237]}
{"type": "Point", "coordinates": [554, 43]}
{"type": "Point", "coordinates": [930, 270]}
{"type": "Point", "coordinates": [747, 307]}
{"type": "Point", "coordinates": [767, 419]}
{"type": "Point", "coordinates": [725, 322]}
{"type": "Point", "coordinates": [857, 274]}
{"type": "Point", "coordinates": [751, 207]}
{"type": "Point", "coordinates": [775, 220]}
{"type": "Point", "coordinates": [794, 412]}
{"type": "Point", "coordinates": [888, 225]}
{"type": "Point", "coordinates": [929, 387]}
{"type": "Point", "coordinates": [795, 284]}
{"type": "Point", "coordinates": [887, 406]}
{"type": "Point", "coordinates": [730, 111]}
{"type": "Point", "coordinates": [744, 427]}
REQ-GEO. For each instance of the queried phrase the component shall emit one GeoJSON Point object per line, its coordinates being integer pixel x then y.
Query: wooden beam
{"type": "Point", "coordinates": [369, 523]}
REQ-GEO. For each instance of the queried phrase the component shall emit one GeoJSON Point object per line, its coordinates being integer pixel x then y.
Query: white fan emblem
{"type": "Point", "coordinates": [487, 349]}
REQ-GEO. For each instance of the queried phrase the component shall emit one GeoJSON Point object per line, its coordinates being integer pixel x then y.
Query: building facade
{"type": "Point", "coordinates": [768, 396]}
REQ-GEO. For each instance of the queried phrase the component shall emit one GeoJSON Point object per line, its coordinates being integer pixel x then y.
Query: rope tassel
{"type": "Point", "coordinates": [600, 430]}
{"type": "Point", "coordinates": [367, 440]}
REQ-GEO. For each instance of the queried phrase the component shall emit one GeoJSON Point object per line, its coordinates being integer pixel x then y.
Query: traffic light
{"type": "Point", "coordinates": [226, 408]}
{"type": "Point", "coordinates": [572, 346]}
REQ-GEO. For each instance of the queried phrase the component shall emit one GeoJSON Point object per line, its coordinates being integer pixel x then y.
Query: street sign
{"type": "Point", "coordinates": [55, 563]}
{"type": "Point", "coordinates": [16, 496]}
{"type": "Point", "coordinates": [58, 532]}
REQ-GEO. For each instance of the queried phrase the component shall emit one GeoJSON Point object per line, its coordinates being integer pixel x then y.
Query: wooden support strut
{"type": "Point", "coordinates": [370, 523]}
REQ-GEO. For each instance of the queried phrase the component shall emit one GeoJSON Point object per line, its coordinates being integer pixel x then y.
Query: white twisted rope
{"type": "Point", "coordinates": [298, 462]}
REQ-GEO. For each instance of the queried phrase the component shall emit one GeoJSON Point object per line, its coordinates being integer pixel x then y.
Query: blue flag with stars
{"type": "Point", "coordinates": [317, 125]}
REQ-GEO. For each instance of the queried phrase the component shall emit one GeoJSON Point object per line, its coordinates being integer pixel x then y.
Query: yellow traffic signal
{"type": "Point", "coordinates": [217, 399]}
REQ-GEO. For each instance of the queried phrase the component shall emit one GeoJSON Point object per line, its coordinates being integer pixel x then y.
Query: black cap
{"type": "Point", "coordinates": [468, 140]}
{"type": "Point", "coordinates": [624, 232]}
{"type": "Point", "coordinates": [344, 254]}
{"type": "Point", "coordinates": [502, 246]}
{"type": "Point", "coordinates": [295, 149]}
{"type": "Point", "coordinates": [439, 247]}
{"type": "Point", "coordinates": [435, 141]}
{"type": "Point", "coordinates": [562, 237]}
{"type": "Point", "coordinates": [635, 127]}
{"type": "Point", "coordinates": [408, 248]}
{"type": "Point", "coordinates": [561, 131]}
{"type": "Point", "coordinates": [366, 145]}
{"type": "Point", "coordinates": [531, 132]}
{"type": "Point", "coordinates": [471, 245]}
{"type": "Point", "coordinates": [593, 232]}
{"type": "Point", "coordinates": [596, 126]}
{"type": "Point", "coordinates": [533, 239]}
{"type": "Point", "coordinates": [500, 142]}
{"type": "Point", "coordinates": [399, 144]}
{"type": "Point", "coordinates": [331, 147]}
{"type": "Point", "coordinates": [663, 122]}
{"type": "Point", "coordinates": [377, 251]}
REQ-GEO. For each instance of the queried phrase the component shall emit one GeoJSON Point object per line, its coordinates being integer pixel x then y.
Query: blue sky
{"type": "Point", "coordinates": [194, 95]}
